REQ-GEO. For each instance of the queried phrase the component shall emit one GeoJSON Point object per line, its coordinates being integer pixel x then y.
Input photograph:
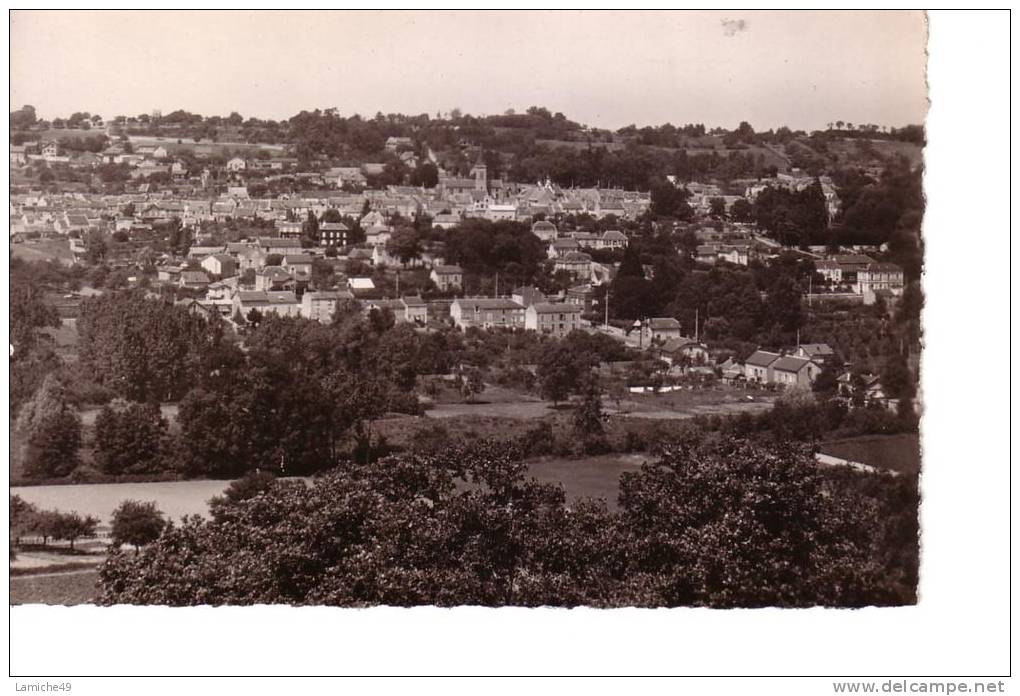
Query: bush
{"type": "Point", "coordinates": [726, 523]}
{"type": "Point", "coordinates": [430, 439]}
{"type": "Point", "coordinates": [632, 442]}
{"type": "Point", "coordinates": [539, 440]}
{"type": "Point", "coordinates": [244, 488]}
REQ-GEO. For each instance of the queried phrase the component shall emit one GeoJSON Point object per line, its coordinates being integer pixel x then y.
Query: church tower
{"type": "Point", "coordinates": [481, 174]}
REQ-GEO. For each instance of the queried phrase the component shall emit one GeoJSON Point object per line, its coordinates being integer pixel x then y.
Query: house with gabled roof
{"type": "Point", "coordinates": [274, 278]}
{"type": "Point", "coordinates": [558, 248]}
{"type": "Point", "coordinates": [758, 366]}
{"type": "Point", "coordinates": [659, 330]}
{"type": "Point", "coordinates": [682, 349]}
{"type": "Point", "coordinates": [612, 239]}
{"type": "Point", "coordinates": [298, 264]}
{"type": "Point", "coordinates": [817, 352]}
{"type": "Point", "coordinates": [527, 295]}
{"type": "Point", "coordinates": [792, 371]}
{"type": "Point", "coordinates": [447, 278]}
{"type": "Point", "coordinates": [220, 264]}
{"type": "Point", "coordinates": [416, 309]}
{"type": "Point", "coordinates": [194, 280]}
{"type": "Point", "coordinates": [576, 263]}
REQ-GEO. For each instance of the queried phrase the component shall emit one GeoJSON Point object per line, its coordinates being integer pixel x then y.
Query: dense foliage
{"type": "Point", "coordinates": [136, 523]}
{"type": "Point", "coordinates": [141, 348]}
{"type": "Point", "coordinates": [130, 439]}
{"type": "Point", "coordinates": [49, 428]}
{"type": "Point", "coordinates": [467, 527]}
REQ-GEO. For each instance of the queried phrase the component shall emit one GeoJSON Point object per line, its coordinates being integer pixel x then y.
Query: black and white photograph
{"type": "Point", "coordinates": [545, 310]}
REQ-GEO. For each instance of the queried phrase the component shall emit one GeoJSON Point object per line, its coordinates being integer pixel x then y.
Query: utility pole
{"type": "Point", "coordinates": [607, 308]}
{"type": "Point", "coordinates": [696, 310]}
{"type": "Point", "coordinates": [398, 283]}
{"type": "Point", "coordinates": [497, 284]}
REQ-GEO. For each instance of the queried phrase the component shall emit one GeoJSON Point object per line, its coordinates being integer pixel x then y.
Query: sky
{"type": "Point", "coordinates": [603, 69]}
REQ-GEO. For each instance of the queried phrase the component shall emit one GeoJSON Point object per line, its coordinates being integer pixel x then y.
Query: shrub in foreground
{"type": "Point", "coordinates": [724, 524]}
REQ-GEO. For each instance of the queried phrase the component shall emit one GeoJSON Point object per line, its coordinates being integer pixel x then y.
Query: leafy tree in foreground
{"type": "Point", "coordinates": [725, 524]}
{"type": "Point", "coordinates": [244, 488]}
{"type": "Point", "coordinates": [137, 524]}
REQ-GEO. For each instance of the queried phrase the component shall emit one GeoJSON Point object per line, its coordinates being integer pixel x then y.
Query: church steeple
{"type": "Point", "coordinates": [481, 174]}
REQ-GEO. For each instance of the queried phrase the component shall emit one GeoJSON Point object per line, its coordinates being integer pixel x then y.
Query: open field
{"type": "Point", "coordinates": [481, 407]}
{"type": "Point", "coordinates": [700, 146]}
{"type": "Point", "coordinates": [687, 403]}
{"type": "Point", "coordinates": [35, 558]}
{"type": "Point", "coordinates": [77, 587]}
{"type": "Point", "coordinates": [900, 453]}
{"type": "Point", "coordinates": [497, 402]}
{"type": "Point", "coordinates": [43, 250]}
{"type": "Point", "coordinates": [588, 477]}
{"type": "Point", "coordinates": [43, 135]}
{"type": "Point", "coordinates": [174, 498]}
{"type": "Point", "coordinates": [174, 144]}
